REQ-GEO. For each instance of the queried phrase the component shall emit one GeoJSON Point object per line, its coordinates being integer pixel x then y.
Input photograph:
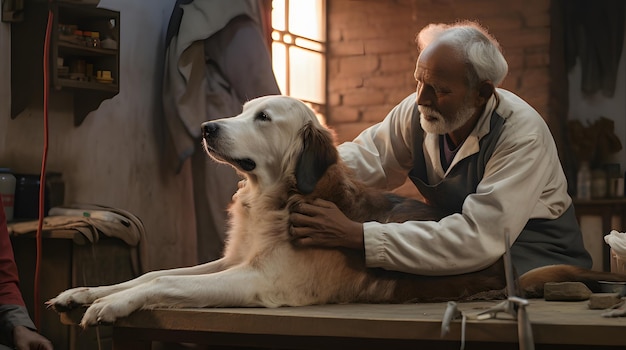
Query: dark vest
{"type": "Point", "coordinates": [541, 242]}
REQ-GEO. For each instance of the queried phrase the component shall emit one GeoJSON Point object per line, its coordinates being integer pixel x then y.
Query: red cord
{"type": "Point", "coordinates": [44, 160]}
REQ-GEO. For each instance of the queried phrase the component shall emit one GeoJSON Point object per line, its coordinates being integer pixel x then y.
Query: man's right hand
{"type": "Point", "coordinates": [322, 224]}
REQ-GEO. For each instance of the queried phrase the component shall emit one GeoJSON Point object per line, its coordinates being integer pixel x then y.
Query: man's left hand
{"type": "Point", "coordinates": [27, 339]}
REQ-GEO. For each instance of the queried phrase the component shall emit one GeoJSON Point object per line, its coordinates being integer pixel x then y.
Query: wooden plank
{"type": "Point", "coordinates": [552, 323]}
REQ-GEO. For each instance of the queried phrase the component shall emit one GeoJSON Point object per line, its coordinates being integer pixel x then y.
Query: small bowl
{"type": "Point", "coordinates": [613, 287]}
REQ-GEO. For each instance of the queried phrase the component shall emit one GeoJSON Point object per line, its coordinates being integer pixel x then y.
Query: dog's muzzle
{"type": "Point", "coordinates": [210, 133]}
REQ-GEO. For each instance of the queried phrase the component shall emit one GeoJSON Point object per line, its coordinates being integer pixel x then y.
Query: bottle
{"type": "Point", "coordinates": [598, 183]}
{"type": "Point", "coordinates": [7, 191]}
{"type": "Point", "coordinates": [583, 182]}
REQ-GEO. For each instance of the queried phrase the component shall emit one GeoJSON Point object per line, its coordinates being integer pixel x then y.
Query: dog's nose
{"type": "Point", "coordinates": [209, 129]}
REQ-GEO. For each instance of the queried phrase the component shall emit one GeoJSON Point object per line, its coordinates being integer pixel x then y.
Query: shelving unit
{"type": "Point", "coordinates": [71, 50]}
{"type": "Point", "coordinates": [81, 62]}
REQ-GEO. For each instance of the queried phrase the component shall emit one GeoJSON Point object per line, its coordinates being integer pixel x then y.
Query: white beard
{"type": "Point", "coordinates": [440, 125]}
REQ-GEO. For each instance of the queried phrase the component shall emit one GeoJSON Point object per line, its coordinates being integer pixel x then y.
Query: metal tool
{"type": "Point", "coordinates": [513, 305]}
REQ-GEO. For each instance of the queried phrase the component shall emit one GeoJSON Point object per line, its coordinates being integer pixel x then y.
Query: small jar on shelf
{"type": "Point", "coordinates": [95, 39]}
{"type": "Point", "coordinates": [78, 37]}
{"type": "Point", "coordinates": [87, 38]}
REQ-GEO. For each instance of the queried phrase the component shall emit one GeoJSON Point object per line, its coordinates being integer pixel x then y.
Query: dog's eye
{"type": "Point", "coordinates": [261, 116]}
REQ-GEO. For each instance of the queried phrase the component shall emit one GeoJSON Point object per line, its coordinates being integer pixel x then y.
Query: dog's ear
{"type": "Point", "coordinates": [318, 153]}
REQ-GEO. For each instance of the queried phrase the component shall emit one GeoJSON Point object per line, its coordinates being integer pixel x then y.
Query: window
{"type": "Point", "coordinates": [299, 50]}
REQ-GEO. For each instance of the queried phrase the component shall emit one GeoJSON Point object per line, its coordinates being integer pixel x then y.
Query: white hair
{"type": "Point", "coordinates": [477, 47]}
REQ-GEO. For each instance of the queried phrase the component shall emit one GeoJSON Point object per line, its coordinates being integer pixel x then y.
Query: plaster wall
{"type": "Point", "coordinates": [116, 157]}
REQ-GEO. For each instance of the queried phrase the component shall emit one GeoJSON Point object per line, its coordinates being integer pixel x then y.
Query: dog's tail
{"type": "Point", "coordinates": [533, 281]}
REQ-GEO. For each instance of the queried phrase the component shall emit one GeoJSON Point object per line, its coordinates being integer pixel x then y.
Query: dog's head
{"type": "Point", "coordinates": [274, 138]}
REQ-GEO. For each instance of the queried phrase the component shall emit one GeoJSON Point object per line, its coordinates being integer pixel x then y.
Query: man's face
{"type": "Point", "coordinates": [443, 96]}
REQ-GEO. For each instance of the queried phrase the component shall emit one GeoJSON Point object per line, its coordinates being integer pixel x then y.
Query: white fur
{"type": "Point", "coordinates": [260, 266]}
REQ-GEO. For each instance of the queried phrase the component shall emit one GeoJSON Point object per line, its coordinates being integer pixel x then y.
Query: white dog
{"type": "Point", "coordinates": [286, 156]}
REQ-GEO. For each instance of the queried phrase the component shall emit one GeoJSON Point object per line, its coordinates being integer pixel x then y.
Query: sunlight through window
{"type": "Point", "coordinates": [299, 49]}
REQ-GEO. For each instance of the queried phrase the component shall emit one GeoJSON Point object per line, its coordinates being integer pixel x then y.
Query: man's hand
{"type": "Point", "coordinates": [27, 339]}
{"type": "Point", "coordinates": [322, 224]}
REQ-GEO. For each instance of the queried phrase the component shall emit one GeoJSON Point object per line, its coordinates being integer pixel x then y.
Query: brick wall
{"type": "Point", "coordinates": [372, 53]}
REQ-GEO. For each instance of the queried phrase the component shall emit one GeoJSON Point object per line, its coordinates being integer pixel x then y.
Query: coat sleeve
{"type": "Point", "coordinates": [12, 310]}
{"type": "Point", "coordinates": [381, 155]}
{"type": "Point", "coordinates": [9, 283]}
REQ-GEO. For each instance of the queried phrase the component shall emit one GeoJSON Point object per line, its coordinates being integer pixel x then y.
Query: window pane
{"type": "Point", "coordinates": [306, 19]}
{"type": "Point", "coordinates": [279, 65]}
{"type": "Point", "coordinates": [307, 78]}
{"type": "Point", "coordinates": [278, 14]}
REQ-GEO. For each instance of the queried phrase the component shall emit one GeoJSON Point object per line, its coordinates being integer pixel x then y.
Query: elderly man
{"type": "Point", "coordinates": [477, 151]}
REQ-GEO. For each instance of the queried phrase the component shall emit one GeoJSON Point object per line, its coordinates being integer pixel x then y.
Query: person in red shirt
{"type": "Point", "coordinates": [17, 330]}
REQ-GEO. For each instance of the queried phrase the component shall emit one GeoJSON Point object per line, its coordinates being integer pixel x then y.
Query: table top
{"type": "Point", "coordinates": [552, 322]}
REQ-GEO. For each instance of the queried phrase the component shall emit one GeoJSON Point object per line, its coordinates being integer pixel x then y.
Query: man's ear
{"type": "Point", "coordinates": [485, 90]}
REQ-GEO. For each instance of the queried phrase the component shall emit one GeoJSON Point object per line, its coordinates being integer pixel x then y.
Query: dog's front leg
{"type": "Point", "coordinates": [240, 286]}
{"type": "Point", "coordinates": [79, 296]}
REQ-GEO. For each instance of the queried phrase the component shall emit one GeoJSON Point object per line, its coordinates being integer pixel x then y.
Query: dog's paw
{"type": "Point", "coordinates": [71, 299]}
{"type": "Point", "coordinates": [105, 311]}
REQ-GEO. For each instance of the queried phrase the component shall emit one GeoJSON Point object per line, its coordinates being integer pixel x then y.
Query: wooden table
{"type": "Point", "coordinates": [556, 325]}
{"type": "Point", "coordinates": [69, 260]}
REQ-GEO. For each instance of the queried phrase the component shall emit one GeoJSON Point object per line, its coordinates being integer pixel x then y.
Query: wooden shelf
{"type": "Point", "coordinates": [606, 209]}
{"type": "Point", "coordinates": [91, 85]}
{"type": "Point", "coordinates": [70, 48]}
{"type": "Point", "coordinates": [26, 67]}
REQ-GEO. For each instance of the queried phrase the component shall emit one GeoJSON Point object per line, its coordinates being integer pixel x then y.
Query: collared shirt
{"type": "Point", "coordinates": [449, 150]}
{"type": "Point", "coordinates": [522, 180]}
